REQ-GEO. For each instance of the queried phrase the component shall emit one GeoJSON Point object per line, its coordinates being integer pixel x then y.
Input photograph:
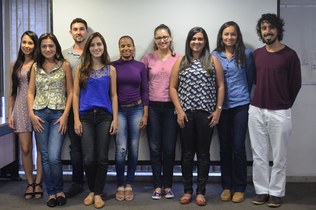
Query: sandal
{"type": "Point", "coordinates": [37, 190]}
{"type": "Point", "coordinates": [200, 200]}
{"type": "Point", "coordinates": [186, 198]}
{"type": "Point", "coordinates": [119, 195]}
{"type": "Point", "coordinates": [128, 193]}
{"type": "Point", "coordinates": [29, 195]}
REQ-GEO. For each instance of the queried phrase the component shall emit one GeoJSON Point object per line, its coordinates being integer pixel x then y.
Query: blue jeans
{"type": "Point", "coordinates": [75, 152]}
{"type": "Point", "coordinates": [95, 147]}
{"type": "Point", "coordinates": [162, 137]}
{"type": "Point", "coordinates": [127, 141]}
{"type": "Point", "coordinates": [232, 129]}
{"type": "Point", "coordinates": [51, 142]}
{"type": "Point", "coordinates": [196, 138]}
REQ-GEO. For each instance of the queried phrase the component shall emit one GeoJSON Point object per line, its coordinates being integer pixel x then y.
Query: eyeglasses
{"type": "Point", "coordinates": [163, 38]}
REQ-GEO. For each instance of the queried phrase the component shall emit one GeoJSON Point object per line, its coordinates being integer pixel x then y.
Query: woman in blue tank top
{"type": "Point", "coordinates": [95, 113]}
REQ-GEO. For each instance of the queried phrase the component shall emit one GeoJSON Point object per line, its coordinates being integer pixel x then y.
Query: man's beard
{"type": "Point", "coordinates": [269, 41]}
{"type": "Point", "coordinates": [79, 41]}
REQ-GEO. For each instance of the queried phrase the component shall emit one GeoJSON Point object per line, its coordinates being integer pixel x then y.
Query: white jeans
{"type": "Point", "coordinates": [269, 129]}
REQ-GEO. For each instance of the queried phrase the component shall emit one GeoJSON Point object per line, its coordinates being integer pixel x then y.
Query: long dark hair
{"type": "Point", "coordinates": [164, 27]}
{"type": "Point", "coordinates": [20, 60]}
{"type": "Point", "coordinates": [58, 56]}
{"type": "Point", "coordinates": [239, 48]}
{"type": "Point", "coordinates": [205, 59]}
{"type": "Point", "coordinates": [86, 65]}
{"type": "Point", "coordinates": [275, 21]}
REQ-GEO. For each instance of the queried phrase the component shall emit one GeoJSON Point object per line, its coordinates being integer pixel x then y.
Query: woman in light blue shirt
{"type": "Point", "coordinates": [237, 63]}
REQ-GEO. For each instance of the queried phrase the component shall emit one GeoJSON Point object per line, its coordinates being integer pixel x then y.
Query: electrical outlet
{"type": "Point", "coordinates": [313, 65]}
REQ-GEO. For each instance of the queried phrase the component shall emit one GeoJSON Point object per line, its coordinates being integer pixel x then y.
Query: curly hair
{"type": "Point", "coordinates": [275, 21]}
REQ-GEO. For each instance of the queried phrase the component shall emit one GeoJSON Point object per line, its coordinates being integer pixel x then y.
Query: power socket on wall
{"type": "Point", "coordinates": [313, 65]}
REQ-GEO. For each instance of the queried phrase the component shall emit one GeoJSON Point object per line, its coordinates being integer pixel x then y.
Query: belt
{"type": "Point", "coordinates": [132, 104]}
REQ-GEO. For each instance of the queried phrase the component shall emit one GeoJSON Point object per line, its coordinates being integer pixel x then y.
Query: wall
{"type": "Point", "coordinates": [299, 16]}
{"type": "Point", "coordinates": [139, 18]}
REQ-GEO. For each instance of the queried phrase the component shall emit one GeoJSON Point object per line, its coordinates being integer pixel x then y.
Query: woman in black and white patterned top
{"type": "Point", "coordinates": [197, 91]}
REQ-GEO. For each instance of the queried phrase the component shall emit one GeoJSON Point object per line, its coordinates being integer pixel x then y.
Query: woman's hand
{"type": "Point", "coordinates": [37, 123]}
{"type": "Point", "coordinates": [214, 118]}
{"type": "Point", "coordinates": [11, 122]}
{"type": "Point", "coordinates": [182, 119]}
{"type": "Point", "coordinates": [78, 127]}
{"type": "Point", "coordinates": [63, 124]}
{"type": "Point", "coordinates": [113, 128]}
{"type": "Point", "coordinates": [143, 122]}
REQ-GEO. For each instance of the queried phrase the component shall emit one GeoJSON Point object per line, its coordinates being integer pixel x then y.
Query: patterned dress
{"type": "Point", "coordinates": [21, 118]}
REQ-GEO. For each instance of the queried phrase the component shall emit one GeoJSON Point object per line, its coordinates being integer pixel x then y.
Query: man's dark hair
{"type": "Point", "coordinates": [275, 21]}
{"type": "Point", "coordinates": [79, 20]}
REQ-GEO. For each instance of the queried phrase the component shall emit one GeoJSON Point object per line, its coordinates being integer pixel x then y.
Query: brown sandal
{"type": "Point", "coordinates": [186, 198]}
{"type": "Point", "coordinates": [200, 200]}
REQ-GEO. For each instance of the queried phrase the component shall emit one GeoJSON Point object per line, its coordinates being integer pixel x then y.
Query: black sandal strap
{"type": "Point", "coordinates": [29, 193]}
{"type": "Point", "coordinates": [38, 184]}
{"type": "Point", "coordinates": [37, 193]}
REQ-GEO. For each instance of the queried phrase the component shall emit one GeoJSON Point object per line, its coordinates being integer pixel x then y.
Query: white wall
{"type": "Point", "coordinates": [299, 16]}
{"type": "Point", "coordinates": [139, 18]}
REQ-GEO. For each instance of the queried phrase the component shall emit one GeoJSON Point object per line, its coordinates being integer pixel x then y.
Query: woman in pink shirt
{"type": "Point", "coordinates": [162, 122]}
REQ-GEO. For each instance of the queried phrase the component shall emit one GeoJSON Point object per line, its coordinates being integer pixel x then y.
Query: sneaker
{"type": "Point", "coordinates": [74, 190]}
{"type": "Point", "coordinates": [260, 199]}
{"type": "Point", "coordinates": [169, 194]}
{"type": "Point", "coordinates": [274, 201]}
{"type": "Point", "coordinates": [226, 195]}
{"type": "Point", "coordinates": [156, 195]}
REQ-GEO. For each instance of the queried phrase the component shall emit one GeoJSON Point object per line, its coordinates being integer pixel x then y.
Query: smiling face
{"type": "Point", "coordinates": [27, 45]}
{"type": "Point", "coordinates": [162, 39]}
{"type": "Point", "coordinates": [127, 48]}
{"type": "Point", "coordinates": [96, 47]}
{"type": "Point", "coordinates": [79, 32]}
{"type": "Point", "coordinates": [269, 33]}
{"type": "Point", "coordinates": [229, 36]}
{"type": "Point", "coordinates": [48, 48]}
{"type": "Point", "coordinates": [197, 44]}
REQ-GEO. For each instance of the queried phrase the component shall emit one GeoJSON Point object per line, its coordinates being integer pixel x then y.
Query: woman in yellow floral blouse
{"type": "Point", "coordinates": [49, 102]}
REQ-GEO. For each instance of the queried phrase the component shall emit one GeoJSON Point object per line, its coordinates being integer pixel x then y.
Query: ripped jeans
{"type": "Point", "coordinates": [126, 142]}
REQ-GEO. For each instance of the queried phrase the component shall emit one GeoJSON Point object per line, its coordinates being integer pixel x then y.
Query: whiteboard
{"type": "Point", "coordinates": [139, 18]}
{"type": "Point", "coordinates": [303, 40]}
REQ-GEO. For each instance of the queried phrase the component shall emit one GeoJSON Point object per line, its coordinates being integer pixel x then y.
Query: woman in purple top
{"type": "Point", "coordinates": [18, 118]}
{"type": "Point", "coordinates": [162, 121]}
{"type": "Point", "coordinates": [132, 90]}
